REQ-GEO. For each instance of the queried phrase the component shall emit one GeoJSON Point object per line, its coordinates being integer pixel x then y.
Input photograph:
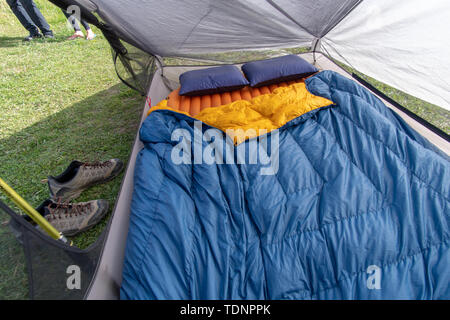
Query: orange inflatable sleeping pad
{"type": "Point", "coordinates": [193, 105]}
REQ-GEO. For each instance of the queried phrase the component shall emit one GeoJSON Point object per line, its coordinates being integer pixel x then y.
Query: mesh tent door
{"type": "Point", "coordinates": [55, 270]}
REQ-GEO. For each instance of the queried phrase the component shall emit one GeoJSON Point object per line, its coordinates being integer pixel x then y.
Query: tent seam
{"type": "Point", "coordinates": [342, 18]}
{"type": "Point", "coordinates": [195, 27]}
{"type": "Point", "coordinates": [274, 5]}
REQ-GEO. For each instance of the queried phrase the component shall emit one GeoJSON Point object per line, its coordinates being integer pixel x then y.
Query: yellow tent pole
{"type": "Point", "coordinates": [31, 212]}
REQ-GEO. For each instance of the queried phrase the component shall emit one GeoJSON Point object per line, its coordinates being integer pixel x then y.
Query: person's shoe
{"type": "Point", "coordinates": [73, 218]}
{"type": "Point", "coordinates": [33, 36]}
{"type": "Point", "coordinates": [49, 35]}
{"type": "Point", "coordinates": [77, 34]}
{"type": "Point", "coordinates": [79, 176]}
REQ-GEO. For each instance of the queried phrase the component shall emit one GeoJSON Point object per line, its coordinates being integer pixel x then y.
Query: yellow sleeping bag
{"type": "Point", "coordinates": [263, 113]}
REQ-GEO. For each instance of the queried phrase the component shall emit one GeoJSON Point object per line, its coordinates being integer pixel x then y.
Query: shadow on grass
{"type": "Point", "coordinates": [9, 42]}
{"type": "Point", "coordinates": [103, 126]}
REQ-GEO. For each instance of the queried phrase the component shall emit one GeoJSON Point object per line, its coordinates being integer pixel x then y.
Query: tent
{"type": "Point", "coordinates": [403, 43]}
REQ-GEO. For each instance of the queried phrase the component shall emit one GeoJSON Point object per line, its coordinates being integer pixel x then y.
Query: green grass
{"type": "Point", "coordinates": [59, 100]}
{"type": "Point", "coordinates": [234, 56]}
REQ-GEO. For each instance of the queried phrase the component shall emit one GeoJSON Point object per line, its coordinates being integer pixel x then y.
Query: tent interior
{"type": "Point", "coordinates": [401, 43]}
{"type": "Point", "coordinates": [109, 274]}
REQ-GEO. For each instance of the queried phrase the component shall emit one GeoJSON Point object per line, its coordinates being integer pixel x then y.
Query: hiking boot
{"type": "Point", "coordinates": [73, 218]}
{"type": "Point", "coordinates": [79, 176]}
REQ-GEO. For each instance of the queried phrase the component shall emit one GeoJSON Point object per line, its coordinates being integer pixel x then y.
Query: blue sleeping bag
{"type": "Point", "coordinates": [357, 209]}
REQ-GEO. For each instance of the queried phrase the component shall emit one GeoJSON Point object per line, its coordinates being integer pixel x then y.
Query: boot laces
{"type": "Point", "coordinates": [96, 164]}
{"type": "Point", "coordinates": [67, 209]}
{"type": "Point", "coordinates": [94, 169]}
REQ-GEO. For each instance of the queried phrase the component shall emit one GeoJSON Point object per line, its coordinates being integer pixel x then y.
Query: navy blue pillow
{"type": "Point", "coordinates": [276, 70]}
{"type": "Point", "coordinates": [212, 80]}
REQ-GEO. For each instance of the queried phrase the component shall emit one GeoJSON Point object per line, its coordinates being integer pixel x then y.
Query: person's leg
{"type": "Point", "coordinates": [37, 17]}
{"type": "Point", "coordinates": [74, 22]}
{"type": "Point", "coordinates": [23, 17]}
{"type": "Point", "coordinates": [85, 25]}
{"type": "Point", "coordinates": [75, 25]}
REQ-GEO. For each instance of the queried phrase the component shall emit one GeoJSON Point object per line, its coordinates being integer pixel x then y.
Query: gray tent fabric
{"type": "Point", "coordinates": [388, 40]}
{"type": "Point", "coordinates": [316, 17]}
{"type": "Point", "coordinates": [404, 43]}
{"type": "Point", "coordinates": [189, 28]}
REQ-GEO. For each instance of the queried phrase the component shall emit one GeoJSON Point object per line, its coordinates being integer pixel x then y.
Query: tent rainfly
{"type": "Point", "coordinates": [404, 43]}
